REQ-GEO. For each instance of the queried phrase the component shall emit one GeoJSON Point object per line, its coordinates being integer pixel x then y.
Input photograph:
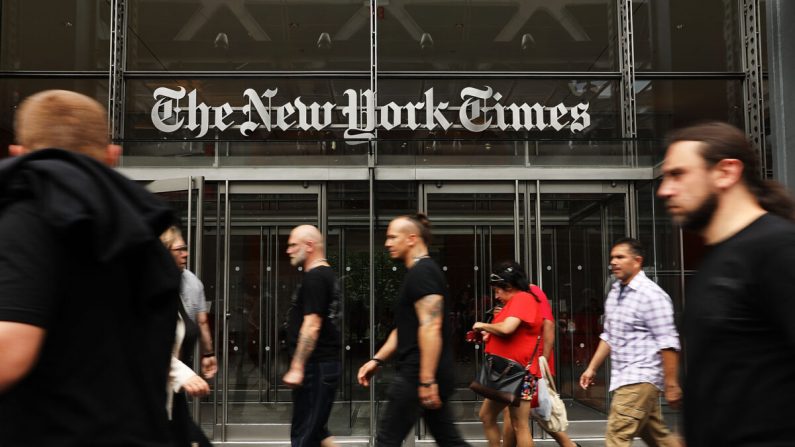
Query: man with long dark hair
{"type": "Point", "coordinates": [739, 336]}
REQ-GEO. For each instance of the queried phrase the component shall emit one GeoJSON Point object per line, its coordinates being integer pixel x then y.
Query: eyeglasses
{"type": "Point", "coordinates": [181, 249]}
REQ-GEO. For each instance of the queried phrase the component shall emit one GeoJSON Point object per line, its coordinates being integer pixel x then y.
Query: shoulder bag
{"type": "Point", "coordinates": [551, 411]}
{"type": "Point", "coordinates": [500, 379]}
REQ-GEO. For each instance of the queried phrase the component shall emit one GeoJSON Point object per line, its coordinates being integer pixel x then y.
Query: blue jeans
{"type": "Point", "coordinates": [312, 403]}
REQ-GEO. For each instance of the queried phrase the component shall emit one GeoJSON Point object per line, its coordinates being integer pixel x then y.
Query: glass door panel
{"type": "Point", "coordinates": [576, 233]}
{"type": "Point", "coordinates": [186, 197]}
{"type": "Point", "coordinates": [475, 227]}
{"type": "Point", "coordinates": [259, 285]}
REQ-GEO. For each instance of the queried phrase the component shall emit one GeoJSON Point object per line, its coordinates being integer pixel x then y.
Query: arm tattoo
{"type": "Point", "coordinates": [430, 309]}
{"type": "Point", "coordinates": [306, 344]}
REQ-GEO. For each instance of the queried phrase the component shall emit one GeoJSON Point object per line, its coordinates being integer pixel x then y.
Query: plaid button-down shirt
{"type": "Point", "coordinates": [639, 323]}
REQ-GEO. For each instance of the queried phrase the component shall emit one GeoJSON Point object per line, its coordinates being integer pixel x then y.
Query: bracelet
{"type": "Point", "coordinates": [378, 361]}
{"type": "Point", "coordinates": [208, 354]}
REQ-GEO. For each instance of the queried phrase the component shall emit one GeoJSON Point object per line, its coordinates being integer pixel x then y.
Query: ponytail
{"type": "Point", "coordinates": [423, 224]}
{"type": "Point", "coordinates": [775, 198]}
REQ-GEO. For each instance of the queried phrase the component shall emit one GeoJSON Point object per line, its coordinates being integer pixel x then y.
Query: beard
{"type": "Point", "coordinates": [699, 218]}
{"type": "Point", "coordinates": [299, 258]}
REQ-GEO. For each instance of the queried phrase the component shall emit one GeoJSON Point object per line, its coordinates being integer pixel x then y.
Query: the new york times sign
{"type": "Point", "coordinates": [481, 109]}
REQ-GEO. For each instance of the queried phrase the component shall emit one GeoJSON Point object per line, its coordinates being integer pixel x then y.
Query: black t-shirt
{"type": "Point", "coordinates": [318, 293]}
{"type": "Point", "coordinates": [423, 279]}
{"type": "Point", "coordinates": [101, 372]}
{"type": "Point", "coordinates": [739, 334]}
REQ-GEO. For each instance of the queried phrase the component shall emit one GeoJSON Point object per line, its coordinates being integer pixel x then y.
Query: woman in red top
{"type": "Point", "coordinates": [515, 333]}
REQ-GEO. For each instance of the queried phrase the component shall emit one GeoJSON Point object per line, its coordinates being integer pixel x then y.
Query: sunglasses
{"type": "Point", "coordinates": [495, 278]}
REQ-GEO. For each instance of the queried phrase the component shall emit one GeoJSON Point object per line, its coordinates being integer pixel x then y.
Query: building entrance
{"type": "Point", "coordinates": [238, 232]}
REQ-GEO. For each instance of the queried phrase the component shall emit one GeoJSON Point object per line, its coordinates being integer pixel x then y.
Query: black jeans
{"type": "Point", "coordinates": [401, 414]}
{"type": "Point", "coordinates": [312, 403]}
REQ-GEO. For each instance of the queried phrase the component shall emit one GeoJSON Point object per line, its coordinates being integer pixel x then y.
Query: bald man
{"type": "Point", "coordinates": [314, 340]}
{"type": "Point", "coordinates": [88, 294]}
{"type": "Point", "coordinates": [421, 341]}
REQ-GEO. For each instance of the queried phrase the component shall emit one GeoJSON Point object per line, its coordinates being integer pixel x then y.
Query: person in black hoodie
{"type": "Point", "coordinates": [88, 294]}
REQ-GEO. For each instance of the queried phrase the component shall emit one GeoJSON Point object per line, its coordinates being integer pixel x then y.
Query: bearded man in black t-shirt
{"type": "Point", "coordinates": [313, 337]}
{"type": "Point", "coordinates": [738, 332]}
{"type": "Point", "coordinates": [421, 342]}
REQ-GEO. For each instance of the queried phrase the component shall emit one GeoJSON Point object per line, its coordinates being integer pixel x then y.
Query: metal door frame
{"type": "Point", "coordinates": [195, 231]}
{"type": "Point", "coordinates": [244, 430]}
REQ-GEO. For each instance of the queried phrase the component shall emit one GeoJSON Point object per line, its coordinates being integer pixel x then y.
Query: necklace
{"type": "Point", "coordinates": [417, 258]}
{"type": "Point", "coordinates": [318, 261]}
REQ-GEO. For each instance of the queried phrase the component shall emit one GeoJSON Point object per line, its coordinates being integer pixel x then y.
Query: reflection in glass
{"type": "Point", "coordinates": [14, 90]}
{"type": "Point", "coordinates": [483, 35]}
{"type": "Point", "coordinates": [305, 35]}
{"type": "Point", "coordinates": [684, 35]}
{"type": "Point", "coordinates": [55, 35]}
{"type": "Point", "coordinates": [473, 232]}
{"type": "Point", "coordinates": [574, 233]}
{"type": "Point", "coordinates": [260, 288]}
{"type": "Point", "coordinates": [663, 105]}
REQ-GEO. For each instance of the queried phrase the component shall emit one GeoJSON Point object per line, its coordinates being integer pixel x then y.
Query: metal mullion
{"type": "Point", "coordinates": [392, 74]}
{"type": "Point", "coordinates": [275, 348]}
{"type": "Point", "coordinates": [517, 251]}
{"type": "Point", "coordinates": [197, 265]}
{"type": "Point", "coordinates": [218, 291]}
{"type": "Point", "coordinates": [262, 329]}
{"type": "Point", "coordinates": [231, 74]}
{"type": "Point", "coordinates": [227, 213]}
{"type": "Point", "coordinates": [88, 74]}
{"type": "Point", "coordinates": [539, 258]}
{"type": "Point", "coordinates": [752, 68]}
{"type": "Point", "coordinates": [371, 198]}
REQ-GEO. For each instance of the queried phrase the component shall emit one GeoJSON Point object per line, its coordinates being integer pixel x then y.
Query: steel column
{"type": "Point", "coordinates": [752, 85]}
{"type": "Point", "coordinates": [118, 26]}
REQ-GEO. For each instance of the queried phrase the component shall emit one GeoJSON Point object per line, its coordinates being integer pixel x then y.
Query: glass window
{"type": "Point", "coordinates": [684, 35]}
{"type": "Point", "coordinates": [500, 36]}
{"type": "Point", "coordinates": [55, 35]}
{"type": "Point", "coordinates": [306, 35]}
{"type": "Point", "coordinates": [14, 90]}
{"type": "Point", "coordinates": [663, 105]}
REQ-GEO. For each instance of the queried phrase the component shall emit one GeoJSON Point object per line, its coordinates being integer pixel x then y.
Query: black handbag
{"type": "Point", "coordinates": [500, 379]}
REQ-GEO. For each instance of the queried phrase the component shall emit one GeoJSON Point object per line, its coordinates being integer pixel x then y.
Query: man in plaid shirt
{"type": "Point", "coordinates": [641, 339]}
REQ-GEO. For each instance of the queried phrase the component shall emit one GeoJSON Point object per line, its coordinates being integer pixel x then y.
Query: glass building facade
{"type": "Point", "coordinates": [348, 137]}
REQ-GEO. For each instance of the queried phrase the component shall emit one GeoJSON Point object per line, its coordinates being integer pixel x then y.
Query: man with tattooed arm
{"type": "Point", "coordinates": [421, 342]}
{"type": "Point", "coordinates": [313, 337]}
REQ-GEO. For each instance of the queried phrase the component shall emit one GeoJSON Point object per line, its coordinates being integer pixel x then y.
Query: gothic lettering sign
{"type": "Point", "coordinates": [481, 109]}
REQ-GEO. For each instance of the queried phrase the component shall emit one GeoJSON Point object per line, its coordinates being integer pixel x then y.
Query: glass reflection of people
{"type": "Point", "coordinates": [421, 342]}
{"type": "Point", "coordinates": [514, 333]}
